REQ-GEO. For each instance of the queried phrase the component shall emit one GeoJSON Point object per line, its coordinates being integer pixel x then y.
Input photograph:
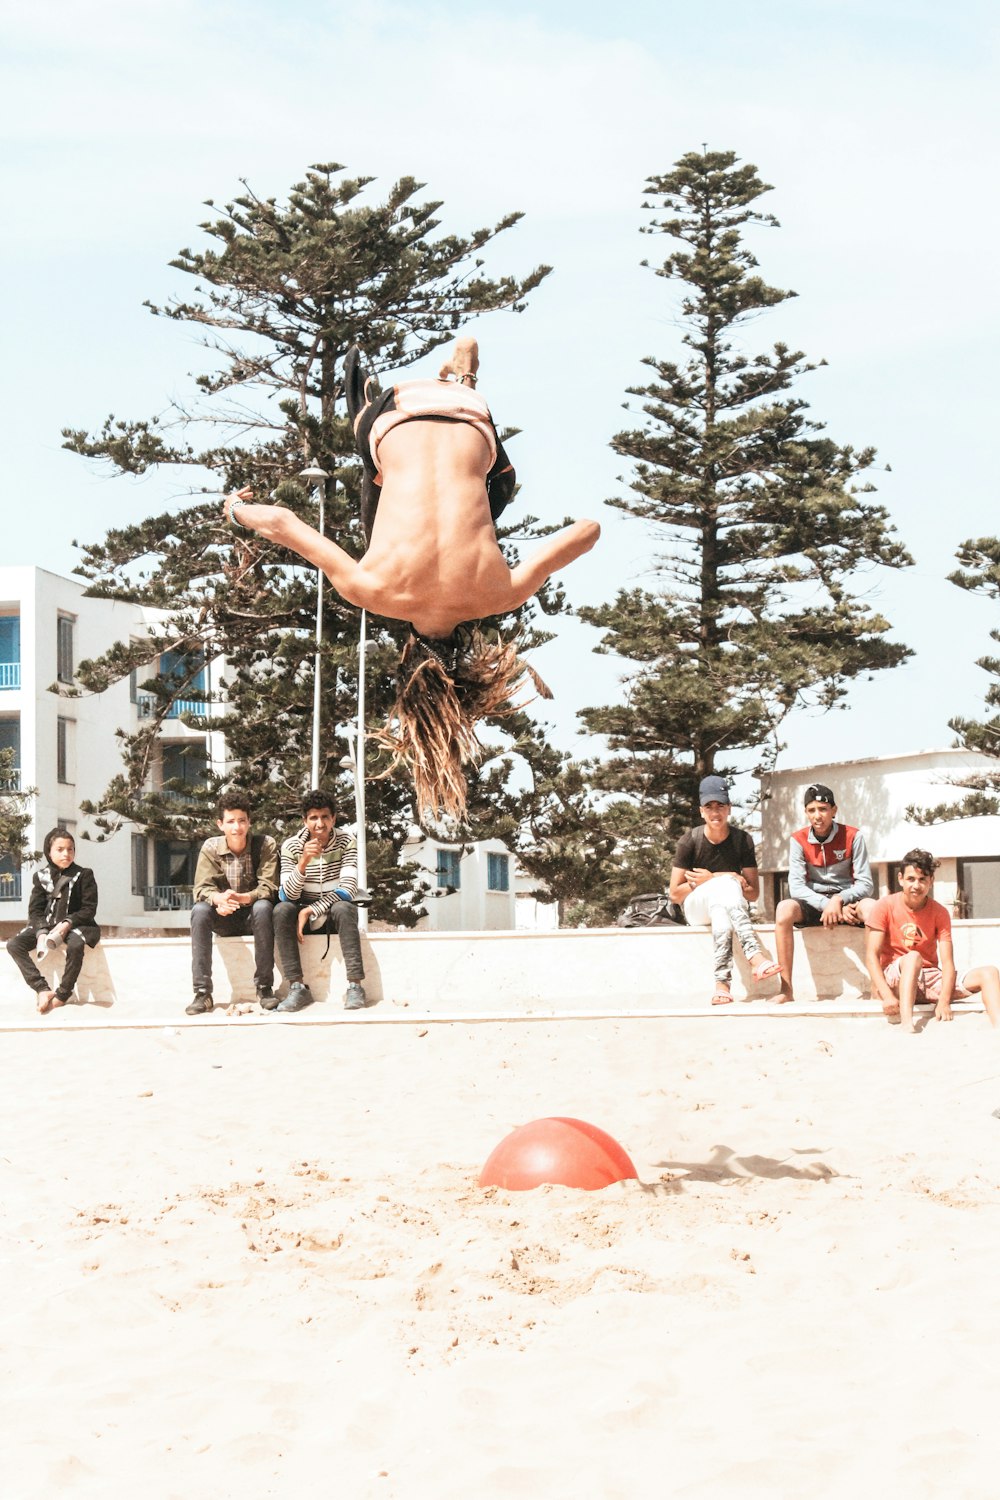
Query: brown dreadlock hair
{"type": "Point", "coordinates": [443, 689]}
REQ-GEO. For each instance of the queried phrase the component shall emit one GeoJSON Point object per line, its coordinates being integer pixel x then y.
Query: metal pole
{"type": "Point", "coordinates": [359, 773]}
{"type": "Point", "coordinates": [318, 477]}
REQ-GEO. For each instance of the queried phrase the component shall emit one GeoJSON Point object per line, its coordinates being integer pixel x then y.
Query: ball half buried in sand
{"type": "Point", "coordinates": [559, 1150]}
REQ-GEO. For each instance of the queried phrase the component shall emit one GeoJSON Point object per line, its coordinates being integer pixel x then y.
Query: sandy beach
{"type": "Point", "coordinates": [254, 1262]}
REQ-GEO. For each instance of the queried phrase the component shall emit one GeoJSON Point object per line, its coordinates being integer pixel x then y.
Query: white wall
{"type": "Point", "coordinates": [873, 795]}
{"type": "Point", "coordinates": [94, 750]}
{"type": "Point", "coordinates": [472, 907]}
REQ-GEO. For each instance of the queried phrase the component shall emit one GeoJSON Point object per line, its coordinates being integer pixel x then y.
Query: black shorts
{"type": "Point", "coordinates": [810, 916]}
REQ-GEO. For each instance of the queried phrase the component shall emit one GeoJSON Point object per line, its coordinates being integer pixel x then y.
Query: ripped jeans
{"type": "Point", "coordinates": [721, 905]}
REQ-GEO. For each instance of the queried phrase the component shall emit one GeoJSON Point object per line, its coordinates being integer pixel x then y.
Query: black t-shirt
{"type": "Point", "coordinates": [695, 851]}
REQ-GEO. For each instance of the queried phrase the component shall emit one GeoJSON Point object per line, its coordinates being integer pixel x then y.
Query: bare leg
{"type": "Point", "coordinates": [909, 972]}
{"type": "Point", "coordinates": [986, 982]}
{"type": "Point", "coordinates": [787, 914]}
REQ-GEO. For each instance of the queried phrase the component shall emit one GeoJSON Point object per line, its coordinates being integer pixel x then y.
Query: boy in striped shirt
{"type": "Point", "coordinates": [319, 883]}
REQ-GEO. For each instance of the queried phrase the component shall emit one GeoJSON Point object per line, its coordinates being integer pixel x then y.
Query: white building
{"type": "Point", "coordinates": [476, 887]}
{"type": "Point", "coordinates": [873, 795]}
{"type": "Point", "coordinates": [67, 747]}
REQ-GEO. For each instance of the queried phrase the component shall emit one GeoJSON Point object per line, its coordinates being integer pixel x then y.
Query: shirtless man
{"type": "Point", "coordinates": [432, 557]}
{"type": "Point", "coordinates": [435, 480]}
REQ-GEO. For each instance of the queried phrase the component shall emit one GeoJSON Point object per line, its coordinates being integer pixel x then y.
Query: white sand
{"type": "Point", "coordinates": [254, 1262]}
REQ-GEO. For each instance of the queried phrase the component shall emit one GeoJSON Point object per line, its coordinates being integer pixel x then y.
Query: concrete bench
{"type": "Point", "coordinates": [660, 971]}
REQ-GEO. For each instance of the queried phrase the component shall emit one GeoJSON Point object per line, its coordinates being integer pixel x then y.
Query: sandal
{"type": "Point", "coordinates": [722, 997]}
{"type": "Point", "coordinates": [769, 969]}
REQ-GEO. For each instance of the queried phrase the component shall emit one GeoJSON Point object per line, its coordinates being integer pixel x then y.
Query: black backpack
{"type": "Point", "coordinates": [651, 911]}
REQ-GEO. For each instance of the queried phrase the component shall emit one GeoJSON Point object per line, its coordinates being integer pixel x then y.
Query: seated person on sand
{"type": "Point", "coordinates": [319, 888]}
{"type": "Point", "coordinates": [62, 911]}
{"type": "Point", "coordinates": [714, 878]}
{"type": "Point", "coordinates": [829, 879]}
{"type": "Point", "coordinates": [435, 480]}
{"type": "Point", "coordinates": [235, 887]}
{"type": "Point", "coordinates": [910, 955]}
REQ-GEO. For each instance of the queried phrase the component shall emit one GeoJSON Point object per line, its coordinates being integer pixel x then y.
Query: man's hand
{"type": "Point", "coordinates": [833, 912]}
{"type": "Point", "coordinates": [698, 877]}
{"type": "Point", "coordinates": [852, 915]}
{"type": "Point", "coordinates": [226, 903]}
{"type": "Point", "coordinates": [304, 916]}
{"type": "Point", "coordinates": [310, 850]}
{"type": "Point", "coordinates": [942, 1011]}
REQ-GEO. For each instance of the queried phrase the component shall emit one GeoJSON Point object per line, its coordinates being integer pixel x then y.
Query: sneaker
{"type": "Point", "coordinates": [266, 996]}
{"type": "Point", "coordinates": [200, 1005]}
{"type": "Point", "coordinates": [298, 997]}
{"type": "Point", "coordinates": [355, 998]}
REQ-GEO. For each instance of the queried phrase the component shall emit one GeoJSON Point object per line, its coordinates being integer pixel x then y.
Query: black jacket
{"type": "Point", "coordinates": [65, 895]}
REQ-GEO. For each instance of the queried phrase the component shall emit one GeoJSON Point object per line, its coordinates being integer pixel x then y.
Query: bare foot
{"type": "Point", "coordinates": [45, 999]}
{"type": "Point", "coordinates": [784, 995]}
{"type": "Point", "coordinates": [464, 361]}
{"type": "Point", "coordinates": [56, 1002]}
{"type": "Point", "coordinates": [722, 997]}
{"type": "Point", "coordinates": [763, 967]}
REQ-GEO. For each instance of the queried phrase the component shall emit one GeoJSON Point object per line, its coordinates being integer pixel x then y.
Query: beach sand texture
{"type": "Point", "coordinates": [255, 1262]}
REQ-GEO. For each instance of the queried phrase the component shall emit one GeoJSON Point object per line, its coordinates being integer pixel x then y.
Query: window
{"type": "Point", "coordinates": [10, 651]}
{"type": "Point", "coordinates": [978, 888]}
{"type": "Point", "coordinates": [65, 751]}
{"type": "Point", "coordinates": [449, 868]}
{"type": "Point", "coordinates": [10, 767]}
{"type": "Point", "coordinates": [64, 648]}
{"type": "Point", "coordinates": [498, 872]}
{"type": "Point", "coordinates": [176, 667]}
{"type": "Point", "coordinates": [175, 862]}
{"type": "Point", "coordinates": [140, 863]}
{"type": "Point", "coordinates": [183, 768]}
{"type": "Point", "coordinates": [10, 879]}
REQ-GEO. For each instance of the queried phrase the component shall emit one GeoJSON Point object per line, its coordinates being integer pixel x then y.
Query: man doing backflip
{"type": "Point", "coordinates": [435, 480]}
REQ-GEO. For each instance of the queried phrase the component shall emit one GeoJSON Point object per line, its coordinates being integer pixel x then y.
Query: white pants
{"type": "Point", "coordinates": [720, 904]}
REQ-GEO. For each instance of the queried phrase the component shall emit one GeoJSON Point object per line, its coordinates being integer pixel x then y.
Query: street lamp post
{"type": "Point", "coordinates": [317, 477]}
{"type": "Point", "coordinates": [354, 762]}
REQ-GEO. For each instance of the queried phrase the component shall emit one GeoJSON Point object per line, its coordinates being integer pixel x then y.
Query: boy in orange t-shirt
{"type": "Point", "coordinates": [909, 950]}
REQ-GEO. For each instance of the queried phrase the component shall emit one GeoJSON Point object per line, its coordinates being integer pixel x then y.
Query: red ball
{"type": "Point", "coordinates": [558, 1149]}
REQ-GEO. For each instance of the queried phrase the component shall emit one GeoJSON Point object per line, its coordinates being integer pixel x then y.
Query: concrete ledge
{"type": "Point", "coordinates": [478, 975]}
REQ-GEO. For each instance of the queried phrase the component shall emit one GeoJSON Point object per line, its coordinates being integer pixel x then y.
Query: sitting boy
{"type": "Point", "coordinates": [829, 879]}
{"type": "Point", "coordinates": [62, 909]}
{"type": "Point", "coordinates": [235, 883]}
{"type": "Point", "coordinates": [714, 877]}
{"type": "Point", "coordinates": [909, 950]}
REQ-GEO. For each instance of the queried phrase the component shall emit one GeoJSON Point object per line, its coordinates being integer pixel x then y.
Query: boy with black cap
{"type": "Point", "coordinates": [715, 877]}
{"type": "Point", "coordinates": [829, 878]}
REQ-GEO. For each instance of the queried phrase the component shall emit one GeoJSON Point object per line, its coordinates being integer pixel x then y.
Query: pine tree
{"type": "Point", "coordinates": [15, 815]}
{"type": "Point", "coordinates": [286, 290]}
{"type": "Point", "coordinates": [758, 524]}
{"type": "Point", "coordinates": [980, 574]}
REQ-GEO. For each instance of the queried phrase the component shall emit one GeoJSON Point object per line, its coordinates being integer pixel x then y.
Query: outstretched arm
{"type": "Point", "coordinates": [555, 552]}
{"type": "Point", "coordinates": [277, 524]}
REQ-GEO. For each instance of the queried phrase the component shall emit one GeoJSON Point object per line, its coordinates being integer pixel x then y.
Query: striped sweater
{"type": "Point", "coordinates": [328, 878]}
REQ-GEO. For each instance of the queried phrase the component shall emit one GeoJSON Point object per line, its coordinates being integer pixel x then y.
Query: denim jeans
{"type": "Point", "coordinates": [205, 920]}
{"type": "Point", "coordinates": [343, 920]}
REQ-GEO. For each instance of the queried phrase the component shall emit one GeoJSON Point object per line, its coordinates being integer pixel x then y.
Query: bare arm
{"type": "Point", "coordinates": [555, 552]}
{"type": "Point", "coordinates": [277, 524]}
{"type": "Point", "coordinates": [750, 876]}
{"type": "Point", "coordinates": [873, 963]}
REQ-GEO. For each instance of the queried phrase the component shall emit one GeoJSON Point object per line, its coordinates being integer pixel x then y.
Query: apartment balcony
{"type": "Point", "coordinates": [146, 707]}
{"type": "Point", "coordinates": [167, 898]}
{"type": "Point", "coordinates": [10, 887]}
{"type": "Point", "coordinates": [10, 674]}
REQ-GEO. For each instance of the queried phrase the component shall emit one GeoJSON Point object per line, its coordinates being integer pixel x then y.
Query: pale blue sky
{"type": "Point", "coordinates": [876, 123]}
